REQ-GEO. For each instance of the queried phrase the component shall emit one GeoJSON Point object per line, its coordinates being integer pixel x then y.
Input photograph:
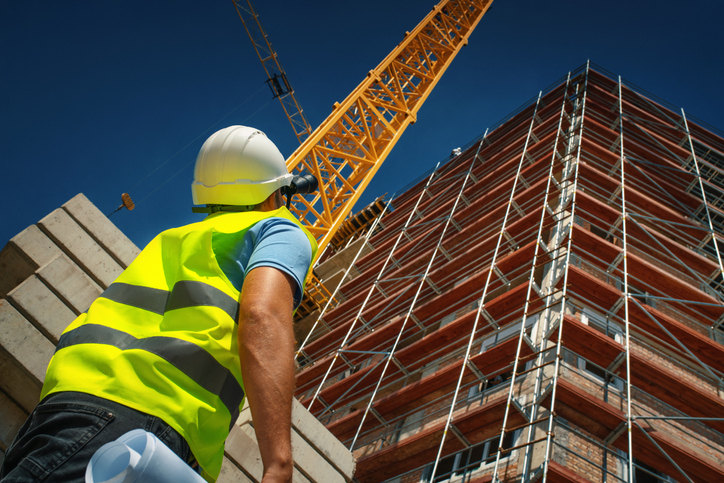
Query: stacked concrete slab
{"type": "Point", "coordinates": [319, 457]}
{"type": "Point", "coordinates": [49, 274]}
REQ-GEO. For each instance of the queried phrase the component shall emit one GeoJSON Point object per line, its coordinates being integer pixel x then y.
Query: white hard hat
{"type": "Point", "coordinates": [238, 165]}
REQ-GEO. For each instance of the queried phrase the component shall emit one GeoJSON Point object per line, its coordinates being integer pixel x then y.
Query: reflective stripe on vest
{"type": "Point", "coordinates": [184, 294]}
{"type": "Point", "coordinates": [186, 356]}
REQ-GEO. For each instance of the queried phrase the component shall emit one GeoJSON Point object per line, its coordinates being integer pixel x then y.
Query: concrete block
{"type": "Point", "coordinates": [12, 418]}
{"type": "Point", "coordinates": [76, 289]}
{"type": "Point", "coordinates": [102, 230]}
{"type": "Point", "coordinates": [39, 305]}
{"type": "Point", "coordinates": [14, 380]}
{"type": "Point", "coordinates": [230, 473]}
{"type": "Point", "coordinates": [14, 269]}
{"type": "Point", "coordinates": [243, 449]}
{"type": "Point", "coordinates": [311, 462]}
{"type": "Point", "coordinates": [80, 247]}
{"type": "Point", "coordinates": [245, 415]}
{"type": "Point", "coordinates": [23, 255]}
{"type": "Point", "coordinates": [24, 356]}
{"type": "Point", "coordinates": [298, 477]}
{"type": "Point", "coordinates": [322, 440]}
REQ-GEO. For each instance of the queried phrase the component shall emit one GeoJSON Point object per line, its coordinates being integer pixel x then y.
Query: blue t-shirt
{"type": "Point", "coordinates": [273, 242]}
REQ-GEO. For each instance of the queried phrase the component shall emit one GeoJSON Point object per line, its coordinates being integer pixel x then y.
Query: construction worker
{"type": "Point", "coordinates": [200, 318]}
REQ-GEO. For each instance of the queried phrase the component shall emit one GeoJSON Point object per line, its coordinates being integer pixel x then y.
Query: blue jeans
{"type": "Point", "coordinates": [57, 441]}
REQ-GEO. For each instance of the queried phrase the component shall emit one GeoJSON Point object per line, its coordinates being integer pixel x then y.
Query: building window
{"type": "Point", "coordinates": [718, 333]}
{"type": "Point", "coordinates": [711, 168]}
{"type": "Point", "coordinates": [447, 319]}
{"type": "Point", "coordinates": [303, 360]}
{"type": "Point", "coordinates": [644, 473]}
{"type": "Point", "coordinates": [456, 467]}
{"type": "Point", "coordinates": [499, 337]}
{"type": "Point", "coordinates": [713, 287]}
{"type": "Point", "coordinates": [349, 371]}
{"type": "Point", "coordinates": [608, 328]}
{"type": "Point", "coordinates": [479, 390]}
{"type": "Point", "coordinates": [506, 333]}
{"type": "Point", "coordinates": [394, 437]}
{"type": "Point", "coordinates": [642, 296]}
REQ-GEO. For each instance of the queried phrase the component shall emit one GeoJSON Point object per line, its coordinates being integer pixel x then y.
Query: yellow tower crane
{"type": "Point", "coordinates": [348, 148]}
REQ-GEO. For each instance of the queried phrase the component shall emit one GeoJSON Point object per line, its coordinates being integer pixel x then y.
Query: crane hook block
{"type": "Point", "coordinates": [127, 201]}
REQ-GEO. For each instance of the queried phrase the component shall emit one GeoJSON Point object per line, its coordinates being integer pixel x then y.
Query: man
{"type": "Point", "coordinates": [161, 350]}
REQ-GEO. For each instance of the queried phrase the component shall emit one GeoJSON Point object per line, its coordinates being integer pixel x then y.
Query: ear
{"type": "Point", "coordinates": [273, 202]}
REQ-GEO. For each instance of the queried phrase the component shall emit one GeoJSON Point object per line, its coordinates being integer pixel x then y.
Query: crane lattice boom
{"type": "Point", "coordinates": [348, 148]}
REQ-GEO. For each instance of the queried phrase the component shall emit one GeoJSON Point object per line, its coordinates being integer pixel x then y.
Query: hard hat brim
{"type": "Point", "coordinates": [239, 192]}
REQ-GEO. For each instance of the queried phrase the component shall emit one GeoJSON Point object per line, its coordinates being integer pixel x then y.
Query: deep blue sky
{"type": "Point", "coordinates": [96, 96]}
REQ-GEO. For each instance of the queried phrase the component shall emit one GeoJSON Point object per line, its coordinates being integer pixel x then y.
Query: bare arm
{"type": "Point", "coordinates": [266, 350]}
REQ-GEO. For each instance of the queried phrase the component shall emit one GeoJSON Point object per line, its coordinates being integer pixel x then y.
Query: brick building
{"type": "Point", "coordinates": [547, 303]}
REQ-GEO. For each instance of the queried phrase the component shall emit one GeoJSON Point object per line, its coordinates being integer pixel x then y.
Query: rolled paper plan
{"type": "Point", "coordinates": [138, 457]}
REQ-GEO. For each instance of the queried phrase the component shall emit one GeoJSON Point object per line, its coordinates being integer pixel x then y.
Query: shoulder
{"type": "Point", "coordinates": [279, 228]}
{"type": "Point", "coordinates": [280, 243]}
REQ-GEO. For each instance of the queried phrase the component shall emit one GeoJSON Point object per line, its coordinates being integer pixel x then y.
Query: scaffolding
{"type": "Point", "coordinates": [545, 306]}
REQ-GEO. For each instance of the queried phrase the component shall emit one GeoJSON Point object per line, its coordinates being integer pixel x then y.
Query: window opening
{"type": "Point", "coordinates": [611, 330]}
{"type": "Point", "coordinates": [464, 463]}
{"type": "Point", "coordinates": [644, 473]}
{"type": "Point", "coordinates": [447, 319]}
{"type": "Point", "coordinates": [642, 296]}
{"type": "Point", "coordinates": [500, 336]}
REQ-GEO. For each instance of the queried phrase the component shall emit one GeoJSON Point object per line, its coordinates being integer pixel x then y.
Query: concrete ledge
{"type": "Point", "coordinates": [24, 356]}
{"type": "Point", "coordinates": [80, 247]}
{"type": "Point", "coordinates": [39, 305]}
{"type": "Point", "coordinates": [317, 454]}
{"type": "Point", "coordinates": [14, 268]}
{"type": "Point", "coordinates": [312, 464]}
{"type": "Point", "coordinates": [322, 440]}
{"type": "Point", "coordinates": [70, 283]}
{"type": "Point", "coordinates": [23, 255]}
{"type": "Point", "coordinates": [230, 473]}
{"type": "Point", "coordinates": [12, 417]}
{"type": "Point", "coordinates": [101, 229]}
{"type": "Point", "coordinates": [243, 449]}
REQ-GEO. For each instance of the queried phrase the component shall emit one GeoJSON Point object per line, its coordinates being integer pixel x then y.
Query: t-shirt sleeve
{"type": "Point", "coordinates": [281, 244]}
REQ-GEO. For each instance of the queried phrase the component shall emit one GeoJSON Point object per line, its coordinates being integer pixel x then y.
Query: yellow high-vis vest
{"type": "Point", "coordinates": [162, 339]}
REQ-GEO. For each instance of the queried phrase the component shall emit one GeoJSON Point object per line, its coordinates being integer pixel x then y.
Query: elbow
{"type": "Point", "coordinates": [264, 325]}
{"type": "Point", "coordinates": [255, 314]}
